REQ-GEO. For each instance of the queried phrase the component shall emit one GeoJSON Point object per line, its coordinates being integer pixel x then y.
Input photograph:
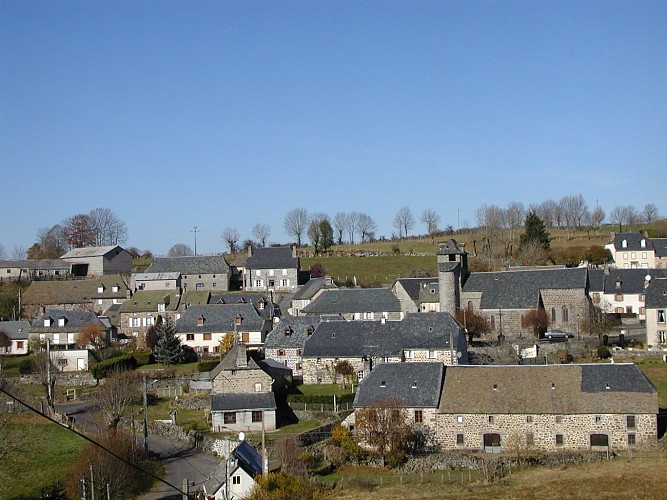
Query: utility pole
{"type": "Point", "coordinates": [92, 483]}
{"type": "Point", "coordinates": [195, 231]}
{"type": "Point", "coordinates": [145, 416]}
{"type": "Point", "coordinates": [265, 459]}
{"type": "Point", "coordinates": [48, 375]}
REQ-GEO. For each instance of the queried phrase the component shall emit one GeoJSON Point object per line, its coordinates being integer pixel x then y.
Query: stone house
{"type": "Point", "coordinates": [19, 335]}
{"type": "Point", "coordinates": [307, 292]}
{"type": "Point", "coordinates": [198, 272]}
{"type": "Point", "coordinates": [631, 251]}
{"type": "Point", "coordinates": [203, 327]}
{"type": "Point", "coordinates": [62, 327]}
{"type": "Point", "coordinates": [285, 342]}
{"type": "Point", "coordinates": [417, 294]}
{"type": "Point", "coordinates": [29, 270]}
{"type": "Point", "coordinates": [265, 308]}
{"type": "Point", "coordinates": [156, 281]}
{"type": "Point", "coordinates": [137, 314]}
{"type": "Point", "coordinates": [248, 412]}
{"type": "Point", "coordinates": [238, 373]}
{"type": "Point", "coordinates": [656, 313]}
{"type": "Point", "coordinates": [660, 246]}
{"type": "Point", "coordinates": [271, 269]}
{"type": "Point", "coordinates": [415, 386]}
{"type": "Point", "coordinates": [435, 338]}
{"type": "Point", "coordinates": [98, 261]}
{"type": "Point", "coordinates": [547, 408]}
{"type": "Point", "coordinates": [356, 304]}
{"type": "Point", "coordinates": [96, 295]}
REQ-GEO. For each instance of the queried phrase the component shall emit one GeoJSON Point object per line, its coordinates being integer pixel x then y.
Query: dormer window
{"type": "Point", "coordinates": [642, 243]}
{"type": "Point", "coordinates": [333, 335]}
{"type": "Point", "coordinates": [310, 331]}
{"type": "Point", "coordinates": [619, 283]}
{"type": "Point", "coordinates": [100, 289]}
{"type": "Point", "coordinates": [288, 331]}
{"type": "Point", "coordinates": [260, 306]}
{"type": "Point", "coordinates": [114, 289]}
{"type": "Point", "coordinates": [61, 321]}
{"type": "Point", "coordinates": [495, 387]}
{"type": "Point", "coordinates": [624, 243]}
{"type": "Point", "coordinates": [47, 322]}
{"type": "Point", "coordinates": [383, 384]}
{"type": "Point", "coordinates": [200, 320]}
{"type": "Point", "coordinates": [414, 384]}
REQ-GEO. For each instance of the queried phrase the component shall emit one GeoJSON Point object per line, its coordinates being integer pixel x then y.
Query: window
{"type": "Point", "coordinates": [199, 286]}
{"type": "Point", "coordinates": [19, 344]}
{"type": "Point", "coordinates": [284, 282]}
{"type": "Point", "coordinates": [236, 479]}
{"type": "Point", "coordinates": [431, 354]}
{"type": "Point", "coordinates": [258, 387]}
{"type": "Point", "coordinates": [297, 366]}
{"type": "Point", "coordinates": [281, 352]}
{"type": "Point", "coordinates": [459, 419]}
{"type": "Point", "coordinates": [208, 336]}
{"type": "Point", "coordinates": [491, 419]}
{"type": "Point", "coordinates": [284, 272]}
{"type": "Point", "coordinates": [632, 440]}
{"type": "Point", "coordinates": [633, 255]}
{"type": "Point", "coordinates": [529, 419]}
{"type": "Point", "coordinates": [559, 419]}
{"type": "Point", "coordinates": [624, 243]}
{"type": "Point", "coordinates": [368, 315]}
{"type": "Point", "coordinates": [257, 415]}
{"type": "Point", "coordinates": [661, 315]}
{"type": "Point", "coordinates": [190, 336]}
{"type": "Point", "coordinates": [642, 297]}
{"type": "Point", "coordinates": [258, 283]}
{"type": "Point", "coordinates": [560, 439]}
{"type": "Point", "coordinates": [319, 360]}
{"type": "Point", "coordinates": [598, 419]}
{"type": "Point", "coordinates": [630, 421]}
{"type": "Point", "coordinates": [618, 297]}
{"type": "Point", "coordinates": [565, 315]}
{"type": "Point", "coordinates": [419, 417]}
{"type": "Point", "coordinates": [272, 283]}
{"type": "Point", "coordinates": [553, 314]}
{"type": "Point", "coordinates": [298, 352]}
{"type": "Point", "coordinates": [409, 354]}
{"type": "Point", "coordinates": [530, 439]}
{"type": "Point", "coordinates": [229, 417]}
{"type": "Point", "coordinates": [644, 255]}
{"type": "Point", "coordinates": [662, 337]}
{"type": "Point", "coordinates": [271, 272]}
{"type": "Point", "coordinates": [596, 298]}
{"type": "Point", "coordinates": [642, 311]}
{"type": "Point", "coordinates": [642, 243]}
{"type": "Point", "coordinates": [62, 361]}
{"type": "Point", "coordinates": [360, 375]}
{"type": "Point", "coordinates": [460, 440]}
{"type": "Point", "coordinates": [61, 321]}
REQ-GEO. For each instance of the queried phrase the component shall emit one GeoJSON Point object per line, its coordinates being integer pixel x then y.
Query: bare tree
{"type": "Point", "coordinates": [384, 426]}
{"type": "Point", "coordinates": [261, 232]}
{"type": "Point", "coordinates": [431, 218]}
{"type": "Point", "coordinates": [649, 213]}
{"type": "Point", "coordinates": [513, 219]}
{"type": "Point", "coordinates": [79, 232]}
{"type": "Point", "coordinates": [50, 243]}
{"type": "Point", "coordinates": [296, 223]}
{"type": "Point", "coordinates": [47, 373]}
{"type": "Point", "coordinates": [115, 397]}
{"type": "Point", "coordinates": [574, 209]}
{"type": "Point", "coordinates": [180, 250]}
{"type": "Point", "coordinates": [404, 220]}
{"type": "Point", "coordinates": [546, 210]}
{"type": "Point", "coordinates": [18, 253]}
{"type": "Point", "coordinates": [231, 237]}
{"type": "Point", "coordinates": [490, 220]}
{"type": "Point", "coordinates": [352, 225]}
{"type": "Point", "coordinates": [3, 252]}
{"type": "Point", "coordinates": [92, 335]}
{"type": "Point", "coordinates": [108, 228]}
{"type": "Point", "coordinates": [366, 227]}
{"type": "Point", "coordinates": [597, 216]}
{"type": "Point", "coordinates": [339, 224]}
{"type": "Point", "coordinates": [622, 215]}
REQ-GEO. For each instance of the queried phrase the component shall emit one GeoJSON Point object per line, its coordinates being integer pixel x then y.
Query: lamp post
{"type": "Point", "coordinates": [578, 335]}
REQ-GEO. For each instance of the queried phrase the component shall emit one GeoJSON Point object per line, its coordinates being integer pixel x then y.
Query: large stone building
{"type": "Point", "coordinates": [98, 261]}
{"type": "Point", "coordinates": [656, 313]}
{"type": "Point", "coordinates": [285, 342]}
{"type": "Point", "coordinates": [272, 269]}
{"type": "Point", "coordinates": [355, 304]}
{"type": "Point", "coordinates": [199, 272]}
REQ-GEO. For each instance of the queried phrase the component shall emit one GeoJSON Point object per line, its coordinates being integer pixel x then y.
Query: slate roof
{"type": "Point", "coordinates": [174, 275]}
{"type": "Point", "coordinates": [35, 264]}
{"type": "Point", "coordinates": [297, 327]}
{"type": "Point", "coordinates": [354, 300]}
{"type": "Point", "coordinates": [521, 289]}
{"type": "Point", "coordinates": [229, 362]}
{"type": "Point", "coordinates": [74, 291]}
{"type": "Point", "coordinates": [416, 385]}
{"type": "Point", "coordinates": [16, 330]}
{"type": "Point", "coordinates": [660, 245]}
{"type": "Point", "coordinates": [311, 287]}
{"type": "Point", "coordinates": [196, 298]}
{"type": "Point", "coordinates": [74, 321]}
{"type": "Point", "coordinates": [237, 298]}
{"type": "Point", "coordinates": [451, 247]}
{"type": "Point", "coordinates": [248, 459]}
{"type": "Point", "coordinates": [633, 242]}
{"type": "Point", "coordinates": [631, 281]}
{"type": "Point", "coordinates": [413, 286]}
{"type": "Point", "coordinates": [193, 264]}
{"type": "Point", "coordinates": [272, 258]}
{"type": "Point", "coordinates": [82, 253]}
{"type": "Point", "coordinates": [596, 280]}
{"type": "Point", "coordinates": [148, 300]}
{"type": "Point", "coordinates": [374, 338]}
{"type": "Point", "coordinates": [547, 389]}
{"type": "Point", "coordinates": [656, 294]}
{"type": "Point", "coordinates": [243, 401]}
{"type": "Point", "coordinates": [220, 318]}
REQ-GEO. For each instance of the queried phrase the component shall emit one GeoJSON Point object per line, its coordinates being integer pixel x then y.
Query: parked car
{"type": "Point", "coordinates": [557, 335]}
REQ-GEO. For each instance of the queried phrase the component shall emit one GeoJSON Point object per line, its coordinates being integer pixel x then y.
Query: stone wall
{"type": "Point", "coordinates": [238, 381]}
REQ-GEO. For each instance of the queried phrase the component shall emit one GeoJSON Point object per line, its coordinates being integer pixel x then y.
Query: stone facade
{"type": "Point", "coordinates": [265, 280]}
{"type": "Point", "coordinates": [565, 307]}
{"type": "Point", "coordinates": [541, 432]}
{"type": "Point", "coordinates": [241, 381]}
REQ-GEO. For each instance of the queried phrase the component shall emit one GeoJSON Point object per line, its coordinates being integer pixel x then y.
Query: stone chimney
{"type": "Point", "coordinates": [294, 251]}
{"type": "Point", "coordinates": [241, 355]}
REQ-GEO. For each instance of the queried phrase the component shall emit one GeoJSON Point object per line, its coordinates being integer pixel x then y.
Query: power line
{"type": "Point", "coordinates": [92, 441]}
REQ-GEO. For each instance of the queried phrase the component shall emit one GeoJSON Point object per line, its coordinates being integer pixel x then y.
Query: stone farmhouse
{"type": "Point", "coordinates": [271, 269]}
{"type": "Point", "coordinates": [547, 408]}
{"type": "Point", "coordinates": [203, 327]}
{"type": "Point", "coordinates": [96, 295]}
{"type": "Point", "coordinates": [98, 261]}
{"type": "Point", "coordinates": [433, 337]}
{"type": "Point", "coordinates": [241, 394]}
{"type": "Point", "coordinates": [415, 387]}
{"type": "Point", "coordinates": [266, 309]}
{"type": "Point", "coordinates": [156, 281]}
{"type": "Point", "coordinates": [355, 304]}
{"type": "Point", "coordinates": [417, 294]}
{"type": "Point", "coordinates": [307, 292]}
{"type": "Point", "coordinates": [62, 327]}
{"type": "Point", "coordinates": [30, 270]}
{"type": "Point", "coordinates": [285, 342]}
{"type": "Point", "coordinates": [660, 245]}
{"type": "Point", "coordinates": [199, 272]}
{"type": "Point", "coordinates": [656, 313]}
{"type": "Point", "coordinates": [632, 251]}
{"type": "Point", "coordinates": [137, 314]}
{"type": "Point", "coordinates": [19, 334]}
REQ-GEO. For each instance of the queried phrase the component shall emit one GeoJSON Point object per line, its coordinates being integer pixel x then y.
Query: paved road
{"type": "Point", "coordinates": [181, 461]}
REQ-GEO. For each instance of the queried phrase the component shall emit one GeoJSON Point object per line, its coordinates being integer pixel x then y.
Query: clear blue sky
{"type": "Point", "coordinates": [229, 113]}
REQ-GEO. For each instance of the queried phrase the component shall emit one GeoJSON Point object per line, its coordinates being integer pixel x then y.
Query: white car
{"type": "Point", "coordinates": [557, 334]}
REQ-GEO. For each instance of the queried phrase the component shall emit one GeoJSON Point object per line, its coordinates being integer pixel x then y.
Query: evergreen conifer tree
{"type": "Point", "coordinates": [535, 232]}
{"type": "Point", "coordinates": [168, 348]}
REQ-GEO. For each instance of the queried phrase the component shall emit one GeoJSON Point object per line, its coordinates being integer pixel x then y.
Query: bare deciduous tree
{"type": "Point", "coordinates": [384, 426]}
{"type": "Point", "coordinates": [261, 232]}
{"type": "Point", "coordinates": [352, 225]}
{"type": "Point", "coordinates": [404, 221]}
{"type": "Point", "coordinates": [366, 226]}
{"type": "Point", "coordinates": [180, 250]}
{"type": "Point", "coordinates": [115, 397]}
{"type": "Point", "coordinates": [108, 228]}
{"type": "Point", "coordinates": [431, 218]}
{"type": "Point", "coordinates": [622, 215]}
{"type": "Point", "coordinates": [92, 335]}
{"type": "Point", "coordinates": [296, 223]}
{"type": "Point", "coordinates": [339, 224]}
{"type": "Point", "coordinates": [650, 213]}
{"type": "Point", "coordinates": [78, 231]}
{"type": "Point", "coordinates": [231, 237]}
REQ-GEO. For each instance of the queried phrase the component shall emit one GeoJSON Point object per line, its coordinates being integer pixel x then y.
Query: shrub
{"type": "Point", "coordinates": [143, 358]}
{"type": "Point", "coordinates": [26, 366]}
{"type": "Point", "coordinates": [125, 362]}
{"type": "Point", "coordinates": [208, 365]}
{"type": "Point", "coordinates": [603, 352]}
{"type": "Point", "coordinates": [319, 398]}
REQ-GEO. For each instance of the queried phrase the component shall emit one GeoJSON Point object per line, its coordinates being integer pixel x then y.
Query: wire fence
{"type": "Point", "coordinates": [321, 407]}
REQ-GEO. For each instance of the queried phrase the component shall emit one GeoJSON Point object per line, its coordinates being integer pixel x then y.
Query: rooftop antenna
{"type": "Point", "coordinates": [195, 231]}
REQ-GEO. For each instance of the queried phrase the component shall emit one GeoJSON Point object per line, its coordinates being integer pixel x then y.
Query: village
{"type": "Point", "coordinates": [472, 362]}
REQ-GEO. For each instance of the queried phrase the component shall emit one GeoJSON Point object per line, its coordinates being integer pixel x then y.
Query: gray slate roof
{"type": "Point", "coordinates": [413, 286]}
{"type": "Point", "coordinates": [660, 245]}
{"type": "Point", "coordinates": [416, 385]}
{"type": "Point", "coordinates": [148, 300]}
{"type": "Point", "coordinates": [16, 330]}
{"type": "Point", "coordinates": [297, 328]}
{"type": "Point", "coordinates": [74, 320]}
{"type": "Point", "coordinates": [373, 338]}
{"type": "Point", "coordinates": [272, 258]}
{"type": "Point", "coordinates": [74, 291]}
{"type": "Point", "coordinates": [80, 253]}
{"type": "Point", "coordinates": [656, 294]}
{"type": "Point", "coordinates": [547, 389]}
{"type": "Point", "coordinates": [596, 280]}
{"type": "Point", "coordinates": [521, 289]}
{"type": "Point", "coordinates": [174, 275]}
{"type": "Point", "coordinates": [220, 318]}
{"type": "Point", "coordinates": [311, 287]}
{"type": "Point", "coordinates": [43, 264]}
{"type": "Point", "coordinates": [354, 300]}
{"type": "Point", "coordinates": [633, 241]}
{"type": "Point", "coordinates": [243, 401]}
{"type": "Point", "coordinates": [194, 264]}
{"type": "Point", "coordinates": [629, 280]}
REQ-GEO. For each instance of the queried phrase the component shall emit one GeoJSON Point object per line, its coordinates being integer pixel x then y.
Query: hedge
{"type": "Point", "coordinates": [208, 365]}
{"type": "Point", "coordinates": [319, 398]}
{"type": "Point", "coordinates": [125, 362]}
{"type": "Point", "coordinates": [144, 358]}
